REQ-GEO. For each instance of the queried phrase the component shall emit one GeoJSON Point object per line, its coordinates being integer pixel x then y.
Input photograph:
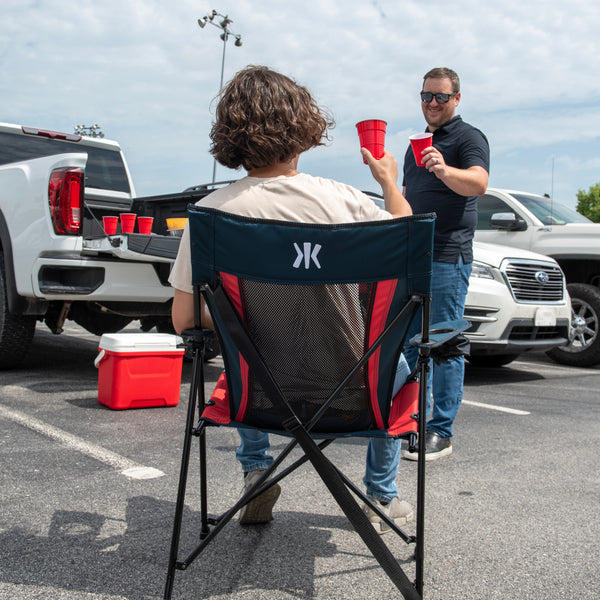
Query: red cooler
{"type": "Point", "coordinates": [139, 370]}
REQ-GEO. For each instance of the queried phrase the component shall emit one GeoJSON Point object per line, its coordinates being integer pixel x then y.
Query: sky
{"type": "Point", "coordinates": [148, 75]}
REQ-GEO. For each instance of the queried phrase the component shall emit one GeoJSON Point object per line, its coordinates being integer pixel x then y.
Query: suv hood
{"type": "Point", "coordinates": [494, 254]}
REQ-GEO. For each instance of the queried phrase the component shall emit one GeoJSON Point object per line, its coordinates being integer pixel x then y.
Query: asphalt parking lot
{"type": "Point", "coordinates": [514, 513]}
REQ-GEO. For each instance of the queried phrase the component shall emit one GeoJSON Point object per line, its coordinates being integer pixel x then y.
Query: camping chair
{"type": "Point", "coordinates": [311, 320]}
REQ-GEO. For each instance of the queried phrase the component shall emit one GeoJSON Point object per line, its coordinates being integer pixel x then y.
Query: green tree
{"type": "Point", "coordinates": [588, 203]}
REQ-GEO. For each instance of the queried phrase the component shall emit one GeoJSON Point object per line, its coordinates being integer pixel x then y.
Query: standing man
{"type": "Point", "coordinates": [455, 174]}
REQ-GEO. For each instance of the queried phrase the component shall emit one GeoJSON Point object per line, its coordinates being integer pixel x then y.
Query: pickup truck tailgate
{"type": "Point", "coordinates": [134, 247]}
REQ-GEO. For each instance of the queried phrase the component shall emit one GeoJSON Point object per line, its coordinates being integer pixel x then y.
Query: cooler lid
{"type": "Point", "coordinates": [140, 342]}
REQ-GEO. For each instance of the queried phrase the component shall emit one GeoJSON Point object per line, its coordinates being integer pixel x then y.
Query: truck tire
{"type": "Point", "coordinates": [16, 331]}
{"type": "Point", "coordinates": [583, 349]}
{"type": "Point", "coordinates": [491, 360]}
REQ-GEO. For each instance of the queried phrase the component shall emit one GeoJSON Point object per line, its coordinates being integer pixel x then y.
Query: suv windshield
{"type": "Point", "coordinates": [548, 211]}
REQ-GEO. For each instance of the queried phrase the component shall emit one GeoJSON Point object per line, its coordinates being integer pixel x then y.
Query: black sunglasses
{"type": "Point", "coordinates": [439, 98]}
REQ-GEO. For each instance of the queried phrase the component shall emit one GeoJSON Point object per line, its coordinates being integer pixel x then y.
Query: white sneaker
{"type": "Point", "coordinates": [259, 509]}
{"type": "Point", "coordinates": [399, 511]}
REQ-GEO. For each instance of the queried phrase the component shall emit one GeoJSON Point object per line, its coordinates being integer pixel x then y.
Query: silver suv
{"type": "Point", "coordinates": [517, 301]}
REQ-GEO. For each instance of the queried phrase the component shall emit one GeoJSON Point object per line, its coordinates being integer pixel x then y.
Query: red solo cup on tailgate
{"type": "Point", "coordinates": [110, 225]}
{"type": "Point", "coordinates": [127, 222]}
{"type": "Point", "coordinates": [419, 142]}
{"type": "Point", "coordinates": [371, 135]}
{"type": "Point", "coordinates": [145, 225]}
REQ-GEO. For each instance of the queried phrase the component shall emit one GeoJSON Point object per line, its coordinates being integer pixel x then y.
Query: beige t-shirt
{"type": "Point", "coordinates": [301, 198]}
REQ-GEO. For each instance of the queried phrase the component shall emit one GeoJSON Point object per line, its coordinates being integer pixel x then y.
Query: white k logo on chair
{"type": "Point", "coordinates": [307, 254]}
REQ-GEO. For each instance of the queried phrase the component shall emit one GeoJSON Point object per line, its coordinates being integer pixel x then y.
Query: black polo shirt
{"type": "Point", "coordinates": [462, 146]}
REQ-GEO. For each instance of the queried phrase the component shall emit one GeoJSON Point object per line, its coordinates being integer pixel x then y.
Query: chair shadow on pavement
{"type": "Point", "coordinates": [93, 553]}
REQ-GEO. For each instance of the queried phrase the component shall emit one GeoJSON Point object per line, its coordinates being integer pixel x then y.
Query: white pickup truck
{"type": "Point", "coordinates": [56, 263]}
{"type": "Point", "coordinates": [537, 223]}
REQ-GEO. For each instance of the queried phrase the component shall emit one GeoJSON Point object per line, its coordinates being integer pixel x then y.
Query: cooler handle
{"type": "Point", "coordinates": [99, 358]}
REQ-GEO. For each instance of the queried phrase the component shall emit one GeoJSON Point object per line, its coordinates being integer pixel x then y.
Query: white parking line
{"type": "Point", "coordinates": [127, 467]}
{"type": "Point", "coordinates": [512, 411]}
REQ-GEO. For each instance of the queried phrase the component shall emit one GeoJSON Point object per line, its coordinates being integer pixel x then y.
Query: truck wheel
{"type": "Point", "coordinates": [492, 360]}
{"type": "Point", "coordinates": [16, 331]}
{"type": "Point", "coordinates": [583, 349]}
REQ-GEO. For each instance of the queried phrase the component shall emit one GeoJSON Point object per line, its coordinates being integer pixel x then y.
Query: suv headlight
{"type": "Point", "coordinates": [480, 270]}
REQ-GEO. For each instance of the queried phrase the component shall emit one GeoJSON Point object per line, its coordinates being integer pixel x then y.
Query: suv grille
{"type": "Point", "coordinates": [534, 282]}
{"type": "Point", "coordinates": [523, 333]}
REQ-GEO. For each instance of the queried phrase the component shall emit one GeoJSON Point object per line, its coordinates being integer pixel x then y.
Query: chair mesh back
{"type": "Point", "coordinates": [290, 325]}
{"type": "Point", "coordinates": [313, 298]}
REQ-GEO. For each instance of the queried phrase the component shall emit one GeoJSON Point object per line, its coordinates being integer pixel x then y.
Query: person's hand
{"type": "Point", "coordinates": [384, 170]}
{"type": "Point", "coordinates": [434, 161]}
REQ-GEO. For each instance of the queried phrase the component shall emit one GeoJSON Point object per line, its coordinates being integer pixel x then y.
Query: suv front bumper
{"type": "Point", "coordinates": [501, 325]}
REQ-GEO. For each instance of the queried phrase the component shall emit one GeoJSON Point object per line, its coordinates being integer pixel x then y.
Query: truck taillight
{"type": "Point", "coordinates": [65, 193]}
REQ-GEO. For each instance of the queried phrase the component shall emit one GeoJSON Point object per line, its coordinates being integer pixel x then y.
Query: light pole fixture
{"type": "Point", "coordinates": [222, 22]}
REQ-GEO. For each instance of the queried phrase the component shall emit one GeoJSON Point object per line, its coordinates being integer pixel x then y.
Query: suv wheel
{"type": "Point", "coordinates": [583, 349]}
{"type": "Point", "coordinates": [16, 331]}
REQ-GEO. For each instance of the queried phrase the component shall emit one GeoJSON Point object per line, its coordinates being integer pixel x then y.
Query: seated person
{"type": "Point", "coordinates": [264, 121]}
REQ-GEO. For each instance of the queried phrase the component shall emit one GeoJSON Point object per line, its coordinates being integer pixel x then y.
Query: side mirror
{"type": "Point", "coordinates": [508, 221]}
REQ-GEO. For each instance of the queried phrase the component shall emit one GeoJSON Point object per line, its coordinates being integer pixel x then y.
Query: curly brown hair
{"type": "Point", "coordinates": [263, 118]}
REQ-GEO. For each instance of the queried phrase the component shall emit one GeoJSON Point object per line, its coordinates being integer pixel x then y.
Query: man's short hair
{"type": "Point", "coordinates": [444, 73]}
{"type": "Point", "coordinates": [264, 118]}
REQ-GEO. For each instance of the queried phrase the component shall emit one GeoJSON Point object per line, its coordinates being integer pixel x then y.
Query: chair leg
{"type": "Point", "coordinates": [205, 529]}
{"type": "Point", "coordinates": [424, 366]}
{"type": "Point", "coordinates": [196, 394]}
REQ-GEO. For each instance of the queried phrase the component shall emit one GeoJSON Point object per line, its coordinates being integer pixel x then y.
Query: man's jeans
{"type": "Point", "coordinates": [448, 295]}
{"type": "Point", "coordinates": [383, 454]}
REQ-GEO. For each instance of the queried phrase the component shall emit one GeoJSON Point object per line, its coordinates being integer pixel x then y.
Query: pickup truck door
{"type": "Point", "coordinates": [489, 205]}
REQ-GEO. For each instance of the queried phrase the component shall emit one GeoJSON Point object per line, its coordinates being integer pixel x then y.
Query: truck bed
{"type": "Point", "coordinates": [160, 246]}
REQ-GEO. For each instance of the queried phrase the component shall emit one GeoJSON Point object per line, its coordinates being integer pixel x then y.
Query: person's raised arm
{"type": "Point", "coordinates": [385, 172]}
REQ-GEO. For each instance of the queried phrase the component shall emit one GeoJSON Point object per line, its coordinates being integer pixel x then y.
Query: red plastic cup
{"type": "Point", "coordinates": [419, 142]}
{"type": "Point", "coordinates": [145, 225]}
{"type": "Point", "coordinates": [127, 222]}
{"type": "Point", "coordinates": [371, 135]}
{"type": "Point", "coordinates": [110, 225]}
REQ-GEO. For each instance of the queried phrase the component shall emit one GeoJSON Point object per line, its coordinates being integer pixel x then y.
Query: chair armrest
{"type": "Point", "coordinates": [440, 333]}
{"type": "Point", "coordinates": [202, 339]}
{"type": "Point", "coordinates": [446, 340]}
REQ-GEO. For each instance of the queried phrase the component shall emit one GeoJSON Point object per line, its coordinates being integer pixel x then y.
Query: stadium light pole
{"type": "Point", "coordinates": [222, 22]}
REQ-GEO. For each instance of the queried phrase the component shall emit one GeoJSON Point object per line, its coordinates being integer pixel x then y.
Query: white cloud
{"type": "Point", "coordinates": [147, 73]}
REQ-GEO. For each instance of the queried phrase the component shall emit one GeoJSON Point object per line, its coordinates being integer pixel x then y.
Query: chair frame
{"type": "Point", "coordinates": [342, 489]}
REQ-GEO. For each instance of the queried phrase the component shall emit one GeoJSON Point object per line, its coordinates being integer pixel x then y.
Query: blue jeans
{"type": "Point", "coordinates": [448, 294]}
{"type": "Point", "coordinates": [383, 454]}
